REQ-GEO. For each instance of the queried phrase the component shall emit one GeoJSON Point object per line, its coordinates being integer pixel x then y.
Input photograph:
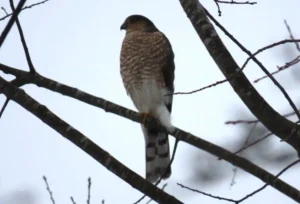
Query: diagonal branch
{"type": "Point", "coordinates": [11, 22]}
{"type": "Point", "coordinates": [281, 68]}
{"type": "Point", "coordinates": [291, 35]}
{"type": "Point", "coordinates": [277, 124]}
{"type": "Point", "coordinates": [3, 107]}
{"type": "Point", "coordinates": [28, 58]}
{"type": "Point", "coordinates": [179, 134]}
{"type": "Point", "coordinates": [286, 95]}
{"type": "Point", "coordinates": [48, 189]}
{"type": "Point", "coordinates": [85, 144]}
{"type": "Point", "coordinates": [245, 197]}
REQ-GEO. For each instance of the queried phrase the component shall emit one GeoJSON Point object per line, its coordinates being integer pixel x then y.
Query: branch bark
{"type": "Point", "coordinates": [197, 142]}
{"type": "Point", "coordinates": [280, 126]}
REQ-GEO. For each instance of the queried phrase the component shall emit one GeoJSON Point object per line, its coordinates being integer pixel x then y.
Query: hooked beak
{"type": "Point", "coordinates": [123, 26]}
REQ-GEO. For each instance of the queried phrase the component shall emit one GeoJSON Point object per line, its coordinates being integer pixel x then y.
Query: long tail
{"type": "Point", "coordinates": [157, 155]}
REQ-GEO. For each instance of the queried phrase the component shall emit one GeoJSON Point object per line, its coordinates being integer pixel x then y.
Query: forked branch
{"type": "Point", "coordinates": [277, 124]}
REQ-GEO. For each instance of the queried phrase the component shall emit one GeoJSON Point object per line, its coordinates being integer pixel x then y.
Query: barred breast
{"type": "Point", "coordinates": [142, 57]}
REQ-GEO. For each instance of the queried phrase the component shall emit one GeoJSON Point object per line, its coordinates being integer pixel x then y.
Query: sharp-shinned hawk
{"type": "Point", "coordinates": [147, 70]}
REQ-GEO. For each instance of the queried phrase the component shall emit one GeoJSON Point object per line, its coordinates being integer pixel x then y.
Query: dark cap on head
{"type": "Point", "coordinates": [137, 22]}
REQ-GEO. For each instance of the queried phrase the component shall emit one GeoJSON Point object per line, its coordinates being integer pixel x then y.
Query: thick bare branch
{"type": "Point", "coordinates": [88, 146]}
{"type": "Point", "coordinates": [277, 124]}
{"type": "Point", "coordinates": [179, 134]}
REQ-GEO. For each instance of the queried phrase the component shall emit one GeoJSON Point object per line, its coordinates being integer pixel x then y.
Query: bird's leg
{"type": "Point", "coordinates": [145, 115]}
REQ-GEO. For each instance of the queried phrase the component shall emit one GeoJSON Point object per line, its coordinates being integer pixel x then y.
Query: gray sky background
{"type": "Point", "coordinates": [78, 43]}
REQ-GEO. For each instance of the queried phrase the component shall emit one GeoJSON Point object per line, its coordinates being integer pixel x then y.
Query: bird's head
{"type": "Point", "coordinates": [138, 23]}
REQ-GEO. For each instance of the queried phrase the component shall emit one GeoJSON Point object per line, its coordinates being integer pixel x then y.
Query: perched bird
{"type": "Point", "coordinates": [147, 71]}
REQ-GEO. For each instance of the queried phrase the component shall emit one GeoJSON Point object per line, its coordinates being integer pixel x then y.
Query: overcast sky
{"type": "Point", "coordinates": [78, 43]}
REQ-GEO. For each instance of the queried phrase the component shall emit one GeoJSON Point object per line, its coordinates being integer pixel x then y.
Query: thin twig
{"type": "Point", "coordinates": [288, 64]}
{"type": "Point", "coordinates": [247, 196]}
{"type": "Point", "coordinates": [264, 186]}
{"type": "Point", "coordinates": [28, 58]}
{"type": "Point", "coordinates": [26, 7]}
{"type": "Point", "coordinates": [231, 2]}
{"type": "Point", "coordinates": [243, 66]}
{"type": "Point", "coordinates": [281, 68]}
{"type": "Point", "coordinates": [291, 35]}
{"type": "Point", "coordinates": [3, 107]}
{"type": "Point", "coordinates": [206, 194]}
{"type": "Point", "coordinates": [49, 190]}
{"type": "Point", "coordinates": [253, 143]}
{"type": "Point", "coordinates": [11, 22]}
{"type": "Point", "coordinates": [219, 9]}
{"type": "Point", "coordinates": [234, 122]}
{"type": "Point", "coordinates": [4, 10]}
{"type": "Point", "coordinates": [89, 190]}
{"type": "Point", "coordinates": [205, 87]}
{"type": "Point", "coordinates": [72, 200]}
{"type": "Point", "coordinates": [236, 2]}
{"type": "Point", "coordinates": [268, 47]}
{"type": "Point", "coordinates": [235, 169]}
{"type": "Point", "coordinates": [256, 61]}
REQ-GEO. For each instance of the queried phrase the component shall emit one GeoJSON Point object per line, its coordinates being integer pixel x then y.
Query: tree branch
{"type": "Point", "coordinates": [277, 124]}
{"type": "Point", "coordinates": [231, 2]}
{"type": "Point", "coordinates": [85, 144]}
{"type": "Point", "coordinates": [281, 68]}
{"type": "Point", "coordinates": [243, 66]}
{"type": "Point", "coordinates": [179, 134]}
{"type": "Point", "coordinates": [25, 7]}
{"type": "Point", "coordinates": [3, 107]}
{"type": "Point", "coordinates": [48, 188]}
{"type": "Point", "coordinates": [28, 58]}
{"type": "Point", "coordinates": [286, 95]}
{"type": "Point", "coordinates": [11, 22]}
{"type": "Point", "coordinates": [245, 197]}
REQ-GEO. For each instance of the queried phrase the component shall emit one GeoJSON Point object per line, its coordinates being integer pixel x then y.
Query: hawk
{"type": "Point", "coordinates": [147, 71]}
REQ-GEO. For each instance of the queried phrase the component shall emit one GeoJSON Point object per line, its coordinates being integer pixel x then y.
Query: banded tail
{"type": "Point", "coordinates": [157, 155]}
